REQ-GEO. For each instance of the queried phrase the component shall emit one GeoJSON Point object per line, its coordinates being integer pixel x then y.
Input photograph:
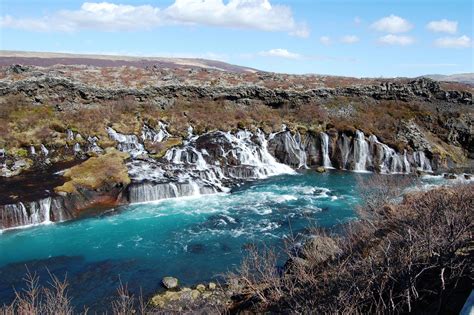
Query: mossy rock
{"type": "Point", "coordinates": [20, 152]}
{"type": "Point", "coordinates": [166, 145]}
{"type": "Point", "coordinates": [97, 172]}
{"type": "Point", "coordinates": [321, 169]}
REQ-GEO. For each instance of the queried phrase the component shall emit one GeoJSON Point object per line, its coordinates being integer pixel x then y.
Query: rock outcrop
{"type": "Point", "coordinates": [50, 88]}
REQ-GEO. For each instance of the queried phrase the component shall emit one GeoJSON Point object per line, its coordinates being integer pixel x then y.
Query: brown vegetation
{"type": "Point", "coordinates": [36, 299]}
{"type": "Point", "coordinates": [413, 256]}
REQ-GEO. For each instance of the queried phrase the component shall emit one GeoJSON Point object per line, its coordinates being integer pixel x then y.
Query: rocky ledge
{"type": "Point", "coordinates": [48, 88]}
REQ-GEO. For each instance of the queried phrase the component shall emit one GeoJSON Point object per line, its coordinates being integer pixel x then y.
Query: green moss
{"type": "Point", "coordinates": [96, 172]}
{"type": "Point", "coordinates": [19, 152]}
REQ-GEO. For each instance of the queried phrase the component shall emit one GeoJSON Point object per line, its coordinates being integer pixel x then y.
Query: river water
{"type": "Point", "coordinates": [193, 238]}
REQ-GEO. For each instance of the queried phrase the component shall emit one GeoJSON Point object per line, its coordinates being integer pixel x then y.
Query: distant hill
{"type": "Point", "coordinates": [467, 78]}
{"type": "Point", "coordinates": [46, 59]}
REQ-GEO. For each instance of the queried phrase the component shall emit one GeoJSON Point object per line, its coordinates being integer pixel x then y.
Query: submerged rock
{"type": "Point", "coordinates": [321, 169]}
{"type": "Point", "coordinates": [450, 176]}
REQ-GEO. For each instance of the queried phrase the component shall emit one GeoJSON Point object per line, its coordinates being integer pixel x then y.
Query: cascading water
{"type": "Point", "coordinates": [152, 135]}
{"type": "Point", "coordinates": [93, 146]}
{"type": "Point", "coordinates": [77, 148]}
{"type": "Point", "coordinates": [422, 162]}
{"type": "Point", "coordinates": [345, 148]}
{"type": "Point", "coordinates": [24, 214]}
{"type": "Point", "coordinates": [325, 150]}
{"type": "Point", "coordinates": [44, 150]}
{"type": "Point", "coordinates": [256, 155]}
{"type": "Point", "coordinates": [193, 170]}
{"type": "Point", "coordinates": [405, 162]}
{"type": "Point", "coordinates": [361, 152]}
{"type": "Point", "coordinates": [127, 143]}
{"type": "Point", "coordinates": [389, 161]}
{"type": "Point", "coordinates": [146, 192]}
{"type": "Point", "coordinates": [295, 153]}
{"type": "Point", "coordinates": [215, 161]}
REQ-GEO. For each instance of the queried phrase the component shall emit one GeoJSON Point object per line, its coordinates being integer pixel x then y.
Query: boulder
{"type": "Point", "coordinates": [319, 249]}
{"type": "Point", "coordinates": [449, 176]}
{"type": "Point", "coordinates": [170, 282]}
{"type": "Point", "coordinates": [320, 169]}
{"type": "Point", "coordinates": [212, 286]}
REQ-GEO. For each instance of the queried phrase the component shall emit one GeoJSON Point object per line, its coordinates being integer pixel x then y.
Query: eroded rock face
{"type": "Point", "coordinates": [461, 132]}
{"type": "Point", "coordinates": [50, 87]}
{"type": "Point", "coordinates": [411, 134]}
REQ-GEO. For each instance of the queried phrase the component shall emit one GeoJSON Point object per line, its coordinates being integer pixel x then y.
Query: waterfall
{"type": "Point", "coordinates": [69, 135]}
{"type": "Point", "coordinates": [325, 150]}
{"type": "Point", "coordinates": [127, 143]}
{"type": "Point", "coordinates": [93, 146]}
{"type": "Point", "coordinates": [77, 148]}
{"type": "Point", "coordinates": [345, 148]}
{"type": "Point", "coordinates": [422, 162]}
{"type": "Point", "coordinates": [361, 152]}
{"type": "Point", "coordinates": [405, 162]}
{"type": "Point", "coordinates": [299, 150]}
{"type": "Point", "coordinates": [44, 150]}
{"type": "Point", "coordinates": [390, 162]}
{"type": "Point", "coordinates": [250, 153]}
{"type": "Point", "coordinates": [295, 154]}
{"type": "Point", "coordinates": [152, 135]}
{"type": "Point", "coordinates": [29, 213]}
{"type": "Point", "coordinates": [191, 169]}
{"type": "Point", "coordinates": [146, 192]}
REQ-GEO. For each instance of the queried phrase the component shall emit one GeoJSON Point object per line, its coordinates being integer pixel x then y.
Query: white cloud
{"type": "Point", "coordinates": [357, 20]}
{"type": "Point", "coordinates": [454, 42]}
{"type": "Point", "coordinates": [101, 16]}
{"type": "Point", "coordinates": [281, 53]}
{"type": "Point", "coordinates": [248, 14]}
{"type": "Point", "coordinates": [350, 39]}
{"type": "Point", "coordinates": [400, 40]}
{"type": "Point", "coordinates": [443, 26]}
{"type": "Point", "coordinates": [325, 40]}
{"type": "Point", "coordinates": [392, 24]}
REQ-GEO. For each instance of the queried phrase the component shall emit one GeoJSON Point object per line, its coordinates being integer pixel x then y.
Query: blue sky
{"type": "Point", "coordinates": [350, 37]}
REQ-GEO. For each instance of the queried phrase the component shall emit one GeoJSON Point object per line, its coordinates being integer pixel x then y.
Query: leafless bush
{"type": "Point", "coordinates": [379, 190]}
{"type": "Point", "coordinates": [124, 304]}
{"type": "Point", "coordinates": [35, 299]}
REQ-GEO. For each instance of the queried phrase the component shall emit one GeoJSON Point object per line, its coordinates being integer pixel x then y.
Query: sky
{"type": "Point", "coordinates": [362, 38]}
